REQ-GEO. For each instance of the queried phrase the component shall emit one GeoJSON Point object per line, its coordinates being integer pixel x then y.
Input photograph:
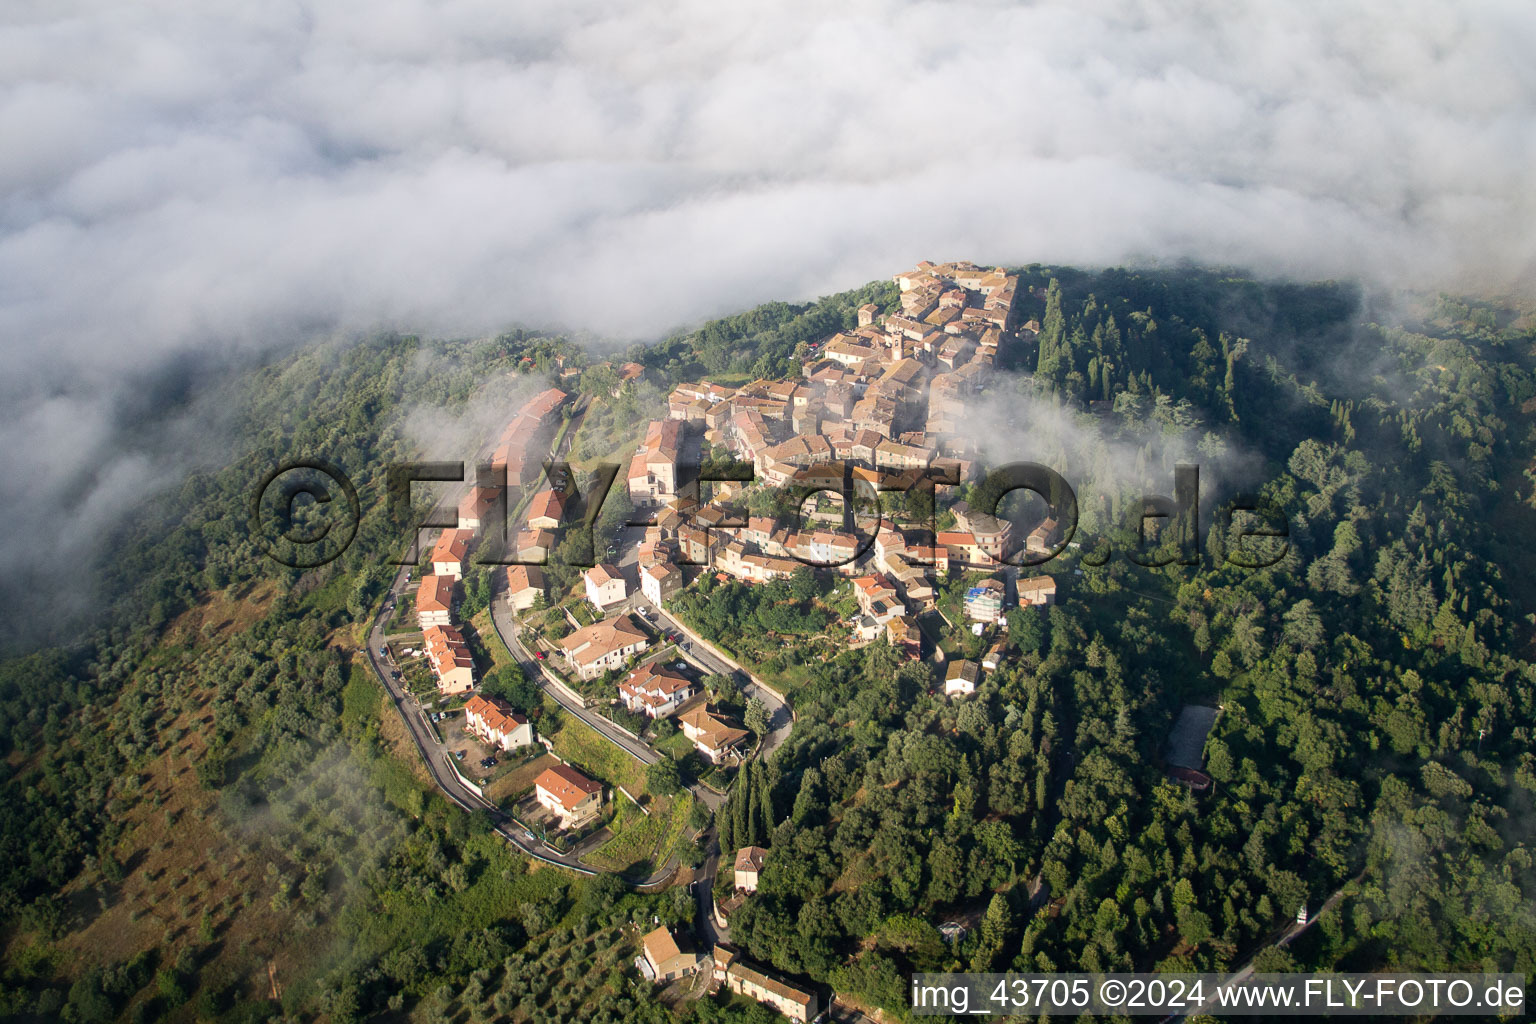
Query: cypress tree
{"type": "Point", "coordinates": [764, 788]}
{"type": "Point", "coordinates": [741, 800]}
{"type": "Point", "coordinates": [727, 824]}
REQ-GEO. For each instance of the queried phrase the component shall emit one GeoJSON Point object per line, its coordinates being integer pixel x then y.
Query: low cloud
{"type": "Point", "coordinates": [1111, 460]}
{"type": "Point", "coordinates": [227, 178]}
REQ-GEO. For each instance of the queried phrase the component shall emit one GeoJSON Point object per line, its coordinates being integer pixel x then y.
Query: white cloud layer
{"type": "Point", "coordinates": [193, 177]}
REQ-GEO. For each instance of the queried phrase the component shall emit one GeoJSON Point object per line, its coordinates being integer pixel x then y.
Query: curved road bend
{"type": "Point", "coordinates": [434, 755]}
{"type": "Point", "coordinates": [506, 628]}
{"type": "Point", "coordinates": [704, 879]}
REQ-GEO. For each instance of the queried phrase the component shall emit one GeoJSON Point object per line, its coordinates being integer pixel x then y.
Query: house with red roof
{"type": "Point", "coordinates": [493, 720]}
{"type": "Point", "coordinates": [448, 656]}
{"type": "Point", "coordinates": [569, 795]}
{"type": "Point", "coordinates": [449, 552]}
{"type": "Point", "coordinates": [656, 690]}
{"type": "Point", "coordinates": [546, 509]}
{"type": "Point", "coordinates": [605, 585]}
{"type": "Point", "coordinates": [525, 585]}
{"type": "Point", "coordinates": [434, 600]}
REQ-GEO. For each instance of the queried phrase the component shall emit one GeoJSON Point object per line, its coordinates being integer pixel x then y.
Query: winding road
{"type": "Point", "coordinates": [707, 659]}
{"type": "Point", "coordinates": [435, 756]}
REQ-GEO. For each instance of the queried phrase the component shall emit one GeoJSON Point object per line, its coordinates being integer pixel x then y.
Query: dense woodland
{"type": "Point", "coordinates": [1378, 713]}
{"type": "Point", "coordinates": [221, 787]}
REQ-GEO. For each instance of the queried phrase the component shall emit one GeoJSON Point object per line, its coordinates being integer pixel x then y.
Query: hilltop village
{"type": "Point", "coordinates": [884, 402]}
{"type": "Point", "coordinates": [874, 410]}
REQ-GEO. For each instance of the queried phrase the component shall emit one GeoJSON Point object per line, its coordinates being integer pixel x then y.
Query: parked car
{"type": "Point", "coordinates": [540, 655]}
{"type": "Point", "coordinates": [383, 652]}
{"type": "Point", "coordinates": [459, 754]}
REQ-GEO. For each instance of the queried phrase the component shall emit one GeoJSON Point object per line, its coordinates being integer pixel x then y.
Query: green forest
{"type": "Point", "coordinates": [207, 814]}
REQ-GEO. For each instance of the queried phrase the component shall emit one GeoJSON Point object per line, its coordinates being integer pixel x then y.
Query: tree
{"type": "Point", "coordinates": [510, 684]}
{"type": "Point", "coordinates": [1026, 629]}
{"type": "Point", "coordinates": [722, 688]}
{"type": "Point", "coordinates": [1053, 361]}
{"type": "Point", "coordinates": [994, 932]}
{"type": "Point", "coordinates": [663, 777]}
{"type": "Point", "coordinates": [802, 584]}
{"type": "Point", "coordinates": [808, 802]}
{"type": "Point", "coordinates": [756, 717]}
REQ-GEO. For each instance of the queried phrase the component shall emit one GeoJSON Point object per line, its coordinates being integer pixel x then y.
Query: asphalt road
{"type": "Point", "coordinates": [434, 755]}
{"type": "Point", "coordinates": [506, 628]}
{"type": "Point", "coordinates": [780, 720]}
{"type": "Point", "coordinates": [704, 898]}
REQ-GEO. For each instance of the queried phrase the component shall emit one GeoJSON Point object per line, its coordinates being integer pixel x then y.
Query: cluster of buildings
{"type": "Point", "coordinates": [887, 395]}
{"type": "Point", "coordinates": [520, 453]}
{"type": "Point", "coordinates": [525, 441]}
{"type": "Point", "coordinates": [657, 691]}
{"type": "Point", "coordinates": [663, 960]}
{"type": "Point", "coordinates": [883, 610]}
{"type": "Point", "coordinates": [873, 409]}
{"type": "Point", "coordinates": [437, 592]}
{"type": "Point", "coordinates": [745, 978]}
{"type": "Point", "coordinates": [987, 604]}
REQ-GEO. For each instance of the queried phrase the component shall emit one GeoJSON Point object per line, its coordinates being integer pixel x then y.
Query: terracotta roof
{"type": "Point", "coordinates": [655, 677]}
{"type": "Point", "coordinates": [545, 402]}
{"type": "Point", "coordinates": [477, 502]}
{"type": "Point", "coordinates": [446, 649]}
{"type": "Point", "coordinates": [497, 713]}
{"type": "Point", "coordinates": [451, 546]}
{"type": "Point", "coordinates": [589, 643]}
{"type": "Point", "coordinates": [602, 573]}
{"type": "Point", "coordinates": [717, 732]}
{"type": "Point", "coordinates": [435, 594]}
{"type": "Point", "coordinates": [661, 570]}
{"type": "Point", "coordinates": [527, 539]}
{"type": "Point", "coordinates": [750, 858]}
{"type": "Point", "coordinates": [728, 961]}
{"type": "Point", "coordinates": [547, 504]}
{"type": "Point", "coordinates": [660, 946]}
{"type": "Point", "coordinates": [522, 577]}
{"type": "Point", "coordinates": [567, 785]}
